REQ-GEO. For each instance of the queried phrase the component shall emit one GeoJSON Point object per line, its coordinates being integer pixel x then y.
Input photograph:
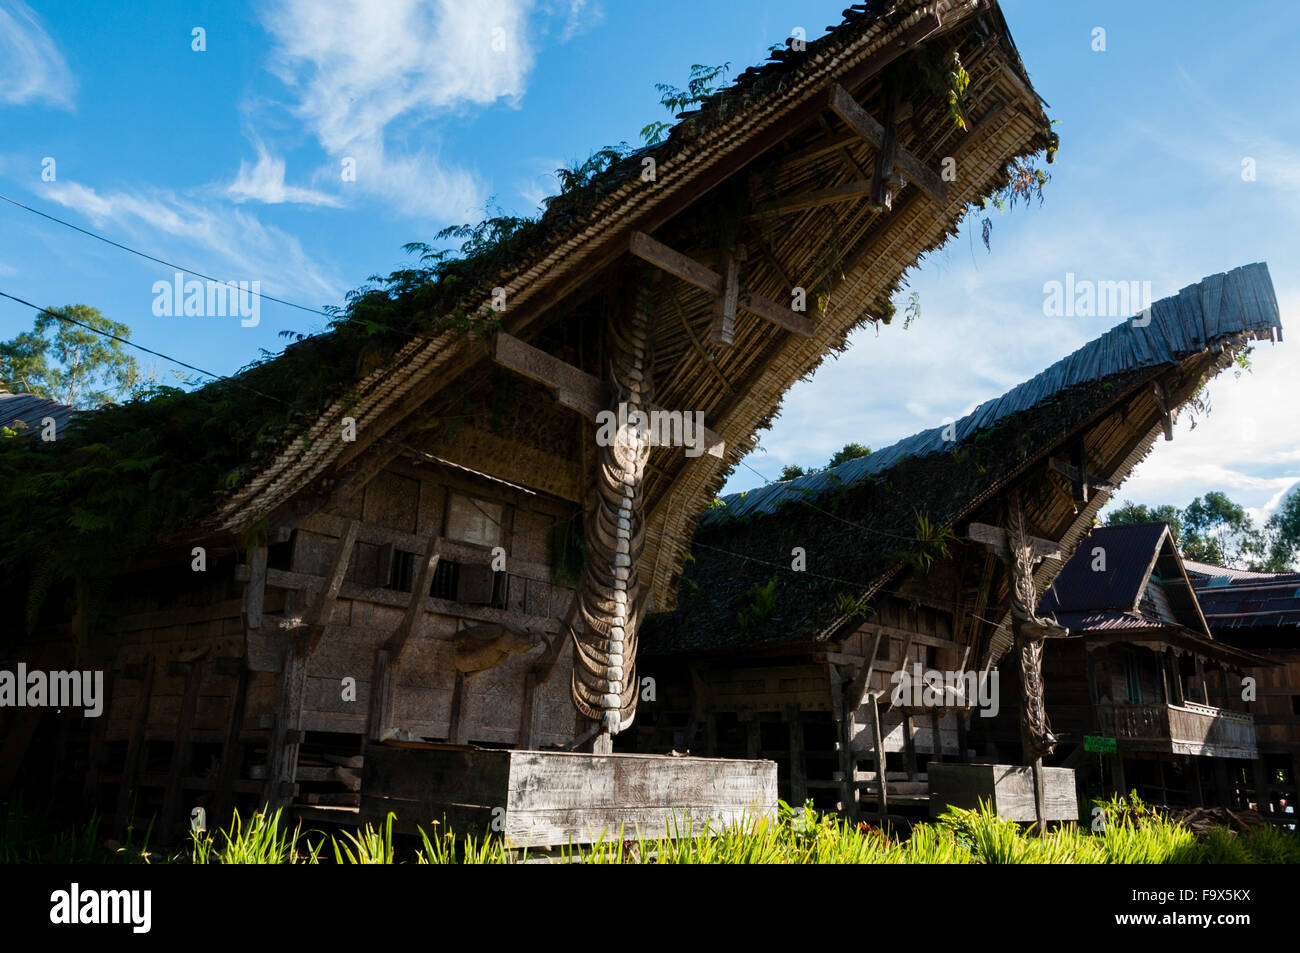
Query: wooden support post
{"type": "Point", "coordinates": [861, 122]}
{"type": "Point", "coordinates": [1223, 794]}
{"type": "Point", "coordinates": [311, 636]}
{"type": "Point", "coordinates": [844, 744]}
{"type": "Point", "coordinates": [1040, 797]}
{"type": "Point", "coordinates": [286, 737]}
{"type": "Point", "coordinates": [675, 263]}
{"type": "Point", "coordinates": [882, 792]}
{"type": "Point", "coordinates": [232, 752]}
{"type": "Point", "coordinates": [883, 179]}
{"type": "Point", "coordinates": [749, 718]}
{"type": "Point", "coordinates": [1117, 774]}
{"type": "Point", "coordinates": [909, 745]}
{"type": "Point", "coordinates": [1192, 769]}
{"type": "Point", "coordinates": [134, 748]}
{"type": "Point", "coordinates": [180, 766]}
{"type": "Point", "coordinates": [798, 766]}
{"type": "Point", "coordinates": [413, 619]}
{"type": "Point", "coordinates": [1263, 795]}
{"type": "Point", "coordinates": [723, 329]}
{"type": "Point", "coordinates": [95, 754]}
{"type": "Point", "coordinates": [457, 725]}
{"type": "Point", "coordinates": [938, 737]}
{"type": "Point", "coordinates": [526, 710]}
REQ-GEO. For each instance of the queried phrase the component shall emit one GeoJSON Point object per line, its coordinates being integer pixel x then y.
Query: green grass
{"type": "Point", "coordinates": [1127, 832]}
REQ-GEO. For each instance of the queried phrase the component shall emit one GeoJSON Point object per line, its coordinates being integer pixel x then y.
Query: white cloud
{"type": "Point", "coordinates": [245, 249]}
{"type": "Point", "coordinates": [264, 182]}
{"type": "Point", "coordinates": [363, 81]}
{"type": "Point", "coordinates": [31, 67]}
{"type": "Point", "coordinates": [579, 16]}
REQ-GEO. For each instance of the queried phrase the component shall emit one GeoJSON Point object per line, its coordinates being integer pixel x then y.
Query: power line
{"type": "Point", "coordinates": [161, 261]}
{"type": "Point", "coordinates": [866, 529]}
{"type": "Point", "coordinates": [403, 446]}
{"type": "Point", "coordinates": [138, 347]}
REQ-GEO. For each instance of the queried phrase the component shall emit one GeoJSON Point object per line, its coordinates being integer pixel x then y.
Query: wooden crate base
{"type": "Point", "coordinates": [1010, 788]}
{"type": "Point", "coordinates": [553, 798]}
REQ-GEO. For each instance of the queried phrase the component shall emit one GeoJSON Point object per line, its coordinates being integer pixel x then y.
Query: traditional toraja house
{"type": "Point", "coordinates": [419, 532]}
{"type": "Point", "coordinates": [1260, 613]}
{"type": "Point", "coordinates": [1142, 685]}
{"type": "Point", "coordinates": [804, 601]}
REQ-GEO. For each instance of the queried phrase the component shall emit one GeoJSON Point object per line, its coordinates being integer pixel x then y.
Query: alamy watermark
{"type": "Point", "coordinates": [38, 689]}
{"type": "Point", "coordinates": [920, 687]}
{"type": "Point", "coordinates": [1085, 298]}
{"type": "Point", "coordinates": [192, 298]}
{"type": "Point", "coordinates": [664, 428]}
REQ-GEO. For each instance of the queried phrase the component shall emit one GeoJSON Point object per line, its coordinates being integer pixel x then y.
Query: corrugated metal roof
{"type": "Point", "coordinates": [1241, 300]}
{"type": "Point", "coordinates": [1127, 555]}
{"type": "Point", "coordinates": [1234, 598]}
{"type": "Point", "coordinates": [24, 412]}
{"type": "Point", "coordinates": [1112, 620]}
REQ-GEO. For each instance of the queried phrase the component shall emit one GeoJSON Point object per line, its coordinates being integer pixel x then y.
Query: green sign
{"type": "Point", "coordinates": [1099, 744]}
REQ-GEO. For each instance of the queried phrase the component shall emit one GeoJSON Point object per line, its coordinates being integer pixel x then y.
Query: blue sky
{"type": "Point", "coordinates": [229, 161]}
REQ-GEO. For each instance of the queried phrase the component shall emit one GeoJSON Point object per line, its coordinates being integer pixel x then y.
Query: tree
{"type": "Point", "coordinates": [62, 361]}
{"type": "Point", "coordinates": [1213, 529]}
{"type": "Point", "coordinates": [1131, 514]}
{"type": "Point", "coordinates": [1217, 530]}
{"type": "Point", "coordinates": [850, 451]}
{"type": "Point", "coordinates": [792, 471]}
{"type": "Point", "coordinates": [1282, 530]}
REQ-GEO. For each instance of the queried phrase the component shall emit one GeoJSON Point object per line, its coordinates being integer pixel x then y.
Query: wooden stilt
{"type": "Point", "coordinates": [134, 748]}
{"type": "Point", "coordinates": [882, 788]}
{"type": "Point", "coordinates": [798, 767]}
{"type": "Point", "coordinates": [180, 766]}
{"type": "Point", "coordinates": [232, 751]}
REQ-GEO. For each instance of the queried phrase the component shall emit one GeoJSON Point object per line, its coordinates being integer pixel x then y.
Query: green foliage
{"type": "Point", "coordinates": [582, 174]}
{"type": "Point", "coordinates": [1132, 833]}
{"type": "Point", "coordinates": [60, 361]}
{"type": "Point", "coordinates": [932, 541]}
{"type": "Point", "coordinates": [699, 87]}
{"type": "Point", "coordinates": [1026, 182]}
{"type": "Point", "coordinates": [958, 87]}
{"type": "Point", "coordinates": [1132, 514]}
{"type": "Point", "coordinates": [369, 846]}
{"type": "Point", "coordinates": [762, 603]}
{"type": "Point", "coordinates": [791, 471]}
{"type": "Point", "coordinates": [1214, 529]}
{"type": "Point", "coordinates": [850, 451]}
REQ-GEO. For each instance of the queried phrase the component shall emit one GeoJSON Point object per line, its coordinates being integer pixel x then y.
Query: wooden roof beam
{"type": "Point", "coordinates": [859, 120]}
{"type": "Point", "coordinates": [816, 199]}
{"type": "Point", "coordinates": [723, 329]}
{"type": "Point", "coordinates": [575, 388]}
{"type": "Point", "coordinates": [1081, 478]}
{"type": "Point", "coordinates": [689, 270]}
{"type": "Point", "coordinates": [995, 538]}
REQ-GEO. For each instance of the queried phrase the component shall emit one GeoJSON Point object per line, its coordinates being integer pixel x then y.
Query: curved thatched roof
{"type": "Point", "coordinates": [858, 522]}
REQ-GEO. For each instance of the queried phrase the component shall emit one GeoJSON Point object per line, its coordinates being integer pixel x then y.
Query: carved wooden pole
{"type": "Point", "coordinates": [1030, 630]}
{"type": "Point", "coordinates": [610, 597]}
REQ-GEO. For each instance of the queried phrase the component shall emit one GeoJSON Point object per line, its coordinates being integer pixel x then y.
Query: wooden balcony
{"type": "Point", "coordinates": [1189, 728]}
